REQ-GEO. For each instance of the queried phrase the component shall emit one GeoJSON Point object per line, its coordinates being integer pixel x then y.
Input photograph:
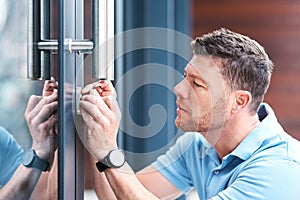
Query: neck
{"type": "Point", "coordinates": [235, 130]}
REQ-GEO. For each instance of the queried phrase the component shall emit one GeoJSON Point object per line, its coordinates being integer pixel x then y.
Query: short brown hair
{"type": "Point", "coordinates": [245, 64]}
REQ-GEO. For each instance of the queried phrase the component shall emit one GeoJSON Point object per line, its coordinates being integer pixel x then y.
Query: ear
{"type": "Point", "coordinates": [242, 99]}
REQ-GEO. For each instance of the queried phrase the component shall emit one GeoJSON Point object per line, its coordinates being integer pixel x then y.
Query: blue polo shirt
{"type": "Point", "coordinates": [10, 156]}
{"type": "Point", "coordinates": [265, 165]}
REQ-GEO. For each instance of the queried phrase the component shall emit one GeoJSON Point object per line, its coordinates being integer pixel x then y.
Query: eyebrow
{"type": "Point", "coordinates": [194, 75]}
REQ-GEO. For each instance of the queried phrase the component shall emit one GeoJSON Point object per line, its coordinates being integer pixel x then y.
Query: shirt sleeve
{"type": "Point", "coordinates": [172, 165]}
{"type": "Point", "coordinates": [10, 156]}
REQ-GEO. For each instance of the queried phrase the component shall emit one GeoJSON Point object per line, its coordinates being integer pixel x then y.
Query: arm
{"type": "Point", "coordinates": [101, 184]}
{"type": "Point", "coordinates": [40, 117]}
{"type": "Point", "coordinates": [21, 184]}
{"type": "Point", "coordinates": [155, 182]}
{"type": "Point", "coordinates": [47, 184]}
{"type": "Point", "coordinates": [149, 177]}
{"type": "Point", "coordinates": [101, 116]}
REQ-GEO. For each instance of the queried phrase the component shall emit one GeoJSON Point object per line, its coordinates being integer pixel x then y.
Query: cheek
{"type": "Point", "coordinates": [202, 103]}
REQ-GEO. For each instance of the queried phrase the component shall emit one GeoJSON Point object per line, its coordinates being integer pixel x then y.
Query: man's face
{"type": "Point", "coordinates": [201, 97]}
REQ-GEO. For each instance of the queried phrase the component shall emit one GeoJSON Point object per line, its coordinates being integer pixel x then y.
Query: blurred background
{"type": "Point", "coordinates": [273, 23]}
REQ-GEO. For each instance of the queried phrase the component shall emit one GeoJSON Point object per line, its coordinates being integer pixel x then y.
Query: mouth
{"type": "Point", "coordinates": [180, 108]}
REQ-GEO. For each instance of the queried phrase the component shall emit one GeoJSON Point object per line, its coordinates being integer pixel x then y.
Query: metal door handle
{"type": "Point", "coordinates": [40, 45]}
{"type": "Point", "coordinates": [103, 33]}
{"type": "Point", "coordinates": [38, 63]}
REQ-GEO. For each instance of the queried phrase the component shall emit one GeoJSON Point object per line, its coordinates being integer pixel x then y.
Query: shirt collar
{"type": "Point", "coordinates": [268, 127]}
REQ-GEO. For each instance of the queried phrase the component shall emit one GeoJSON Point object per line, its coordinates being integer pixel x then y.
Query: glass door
{"type": "Point", "coordinates": [64, 39]}
{"type": "Point", "coordinates": [80, 41]}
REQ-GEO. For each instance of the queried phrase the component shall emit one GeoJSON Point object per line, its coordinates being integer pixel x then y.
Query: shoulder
{"type": "Point", "coordinates": [293, 149]}
{"type": "Point", "coordinates": [265, 178]}
{"type": "Point", "coordinates": [10, 155]}
{"type": "Point", "coordinates": [3, 132]}
{"type": "Point", "coordinates": [275, 160]}
{"type": "Point", "coordinates": [8, 144]}
{"type": "Point", "coordinates": [5, 137]}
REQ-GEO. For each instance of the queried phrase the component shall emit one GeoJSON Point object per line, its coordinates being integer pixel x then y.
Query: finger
{"type": "Point", "coordinates": [108, 101]}
{"type": "Point", "coordinates": [43, 114]}
{"type": "Point", "coordinates": [94, 92]}
{"type": "Point", "coordinates": [87, 88]}
{"type": "Point", "coordinates": [36, 103]}
{"type": "Point", "coordinates": [32, 102]}
{"type": "Point", "coordinates": [52, 97]}
{"type": "Point", "coordinates": [112, 103]}
{"type": "Point", "coordinates": [48, 126]}
{"type": "Point", "coordinates": [105, 88]}
{"type": "Point", "coordinates": [94, 113]}
{"type": "Point", "coordinates": [49, 86]}
{"type": "Point", "coordinates": [88, 118]}
{"type": "Point", "coordinates": [51, 122]}
{"type": "Point", "coordinates": [89, 123]}
{"type": "Point", "coordinates": [99, 103]}
{"type": "Point", "coordinates": [99, 90]}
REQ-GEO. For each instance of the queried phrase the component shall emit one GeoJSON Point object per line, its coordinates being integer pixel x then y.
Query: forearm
{"type": "Point", "coordinates": [126, 185]}
{"type": "Point", "coordinates": [101, 184]}
{"type": "Point", "coordinates": [47, 184]}
{"type": "Point", "coordinates": [52, 179]}
{"type": "Point", "coordinates": [21, 185]}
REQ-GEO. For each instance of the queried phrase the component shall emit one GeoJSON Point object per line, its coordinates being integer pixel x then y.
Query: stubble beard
{"type": "Point", "coordinates": [209, 122]}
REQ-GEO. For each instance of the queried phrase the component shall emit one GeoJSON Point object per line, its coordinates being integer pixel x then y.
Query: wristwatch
{"type": "Point", "coordinates": [31, 160]}
{"type": "Point", "coordinates": [114, 159]}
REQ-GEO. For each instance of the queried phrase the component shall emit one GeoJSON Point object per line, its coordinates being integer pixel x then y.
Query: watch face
{"type": "Point", "coordinates": [28, 157]}
{"type": "Point", "coordinates": [117, 158]}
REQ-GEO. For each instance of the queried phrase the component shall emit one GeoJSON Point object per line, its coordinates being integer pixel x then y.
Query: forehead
{"type": "Point", "coordinates": [204, 67]}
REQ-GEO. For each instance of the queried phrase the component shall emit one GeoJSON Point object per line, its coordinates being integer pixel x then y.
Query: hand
{"type": "Point", "coordinates": [49, 87]}
{"type": "Point", "coordinates": [41, 117]}
{"type": "Point", "coordinates": [101, 116]}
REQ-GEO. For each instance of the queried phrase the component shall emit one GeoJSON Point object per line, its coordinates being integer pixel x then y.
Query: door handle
{"type": "Point", "coordinates": [38, 62]}
{"type": "Point", "coordinates": [103, 38]}
{"type": "Point", "coordinates": [40, 45]}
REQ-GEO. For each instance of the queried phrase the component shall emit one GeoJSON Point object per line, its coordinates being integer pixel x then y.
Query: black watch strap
{"type": "Point", "coordinates": [41, 164]}
{"type": "Point", "coordinates": [32, 160]}
{"type": "Point", "coordinates": [101, 166]}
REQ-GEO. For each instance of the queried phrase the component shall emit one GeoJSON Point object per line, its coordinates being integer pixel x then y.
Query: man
{"type": "Point", "coordinates": [25, 175]}
{"type": "Point", "coordinates": [234, 147]}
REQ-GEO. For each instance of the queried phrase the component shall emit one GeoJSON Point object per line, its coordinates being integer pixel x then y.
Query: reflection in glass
{"type": "Point", "coordinates": [14, 86]}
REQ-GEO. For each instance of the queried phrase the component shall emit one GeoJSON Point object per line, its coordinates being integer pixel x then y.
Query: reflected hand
{"type": "Point", "coordinates": [49, 87]}
{"type": "Point", "coordinates": [101, 115]}
{"type": "Point", "coordinates": [41, 117]}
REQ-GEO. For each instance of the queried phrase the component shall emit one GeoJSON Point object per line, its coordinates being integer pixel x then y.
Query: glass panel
{"type": "Point", "coordinates": [66, 66]}
{"type": "Point", "coordinates": [14, 86]}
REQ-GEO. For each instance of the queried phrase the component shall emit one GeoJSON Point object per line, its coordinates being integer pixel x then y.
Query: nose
{"type": "Point", "coordinates": [181, 89]}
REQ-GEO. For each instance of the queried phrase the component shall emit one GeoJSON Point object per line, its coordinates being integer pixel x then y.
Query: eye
{"type": "Point", "coordinates": [198, 84]}
{"type": "Point", "coordinates": [184, 75]}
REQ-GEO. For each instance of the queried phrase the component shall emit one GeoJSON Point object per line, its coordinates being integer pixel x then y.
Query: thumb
{"type": "Point", "coordinates": [113, 105]}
